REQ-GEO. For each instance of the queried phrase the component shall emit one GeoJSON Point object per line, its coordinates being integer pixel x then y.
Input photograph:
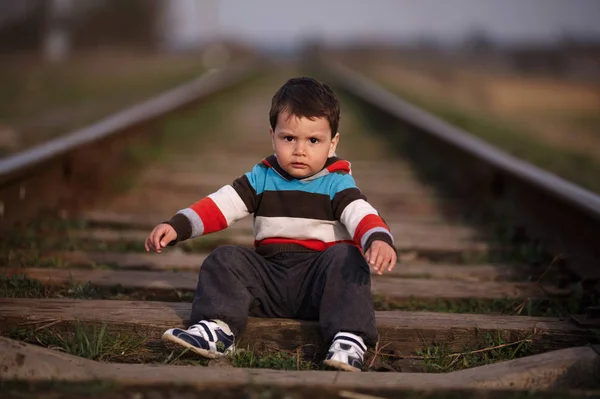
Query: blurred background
{"type": "Point", "coordinates": [522, 74]}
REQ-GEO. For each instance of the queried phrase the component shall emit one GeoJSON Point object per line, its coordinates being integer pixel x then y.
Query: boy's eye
{"type": "Point", "coordinates": [314, 140]}
{"type": "Point", "coordinates": [288, 138]}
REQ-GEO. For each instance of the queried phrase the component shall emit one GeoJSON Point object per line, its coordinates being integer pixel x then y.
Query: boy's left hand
{"type": "Point", "coordinates": [381, 256]}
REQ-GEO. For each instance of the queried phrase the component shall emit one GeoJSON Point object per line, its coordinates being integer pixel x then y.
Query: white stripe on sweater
{"type": "Point", "coordinates": [300, 229]}
{"type": "Point", "coordinates": [231, 205]}
{"type": "Point", "coordinates": [354, 213]}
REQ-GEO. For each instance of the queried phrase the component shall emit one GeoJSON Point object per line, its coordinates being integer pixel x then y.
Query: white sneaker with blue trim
{"type": "Point", "coordinates": [209, 338]}
{"type": "Point", "coordinates": [346, 352]}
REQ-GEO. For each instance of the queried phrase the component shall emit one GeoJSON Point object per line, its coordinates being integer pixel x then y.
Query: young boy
{"type": "Point", "coordinates": [311, 226]}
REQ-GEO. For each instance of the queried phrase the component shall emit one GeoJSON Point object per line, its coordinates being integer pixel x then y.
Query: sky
{"type": "Point", "coordinates": [286, 22]}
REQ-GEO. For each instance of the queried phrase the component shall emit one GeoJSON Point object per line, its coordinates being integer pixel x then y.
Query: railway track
{"type": "Point", "coordinates": [487, 313]}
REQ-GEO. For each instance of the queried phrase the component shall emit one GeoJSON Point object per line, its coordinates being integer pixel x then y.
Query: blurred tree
{"type": "Point", "coordinates": [22, 24]}
{"type": "Point", "coordinates": [478, 40]}
{"type": "Point", "coordinates": [428, 43]}
{"type": "Point", "coordinates": [56, 42]}
{"type": "Point", "coordinates": [130, 23]}
{"type": "Point", "coordinates": [56, 26]}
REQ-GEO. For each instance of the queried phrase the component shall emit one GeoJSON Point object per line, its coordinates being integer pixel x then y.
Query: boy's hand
{"type": "Point", "coordinates": [160, 237]}
{"type": "Point", "coordinates": [381, 256]}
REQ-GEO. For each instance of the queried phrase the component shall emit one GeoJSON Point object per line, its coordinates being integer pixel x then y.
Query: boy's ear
{"type": "Point", "coordinates": [272, 133]}
{"type": "Point", "coordinates": [334, 142]}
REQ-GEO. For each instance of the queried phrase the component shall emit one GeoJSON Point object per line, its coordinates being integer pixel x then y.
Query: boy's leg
{"type": "Point", "coordinates": [230, 280]}
{"type": "Point", "coordinates": [342, 287]}
{"type": "Point", "coordinates": [341, 291]}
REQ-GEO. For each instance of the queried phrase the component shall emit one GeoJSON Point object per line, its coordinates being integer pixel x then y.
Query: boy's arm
{"type": "Point", "coordinates": [218, 210]}
{"type": "Point", "coordinates": [361, 219]}
{"type": "Point", "coordinates": [365, 225]}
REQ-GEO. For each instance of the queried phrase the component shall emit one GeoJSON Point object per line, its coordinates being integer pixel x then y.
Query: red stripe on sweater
{"type": "Point", "coordinates": [212, 217]}
{"type": "Point", "coordinates": [315, 245]}
{"type": "Point", "coordinates": [339, 165]}
{"type": "Point", "coordinates": [366, 224]}
{"type": "Point", "coordinates": [266, 163]}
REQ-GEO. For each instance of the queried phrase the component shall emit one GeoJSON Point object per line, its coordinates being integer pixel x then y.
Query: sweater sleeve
{"type": "Point", "coordinates": [218, 210]}
{"type": "Point", "coordinates": [361, 219]}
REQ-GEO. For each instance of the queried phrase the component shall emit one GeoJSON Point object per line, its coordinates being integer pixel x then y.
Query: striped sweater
{"type": "Point", "coordinates": [295, 214]}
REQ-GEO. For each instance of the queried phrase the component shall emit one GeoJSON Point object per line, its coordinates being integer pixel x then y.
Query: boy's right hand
{"type": "Point", "coordinates": [160, 237]}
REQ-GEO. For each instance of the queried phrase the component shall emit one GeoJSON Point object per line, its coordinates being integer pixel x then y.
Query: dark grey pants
{"type": "Point", "coordinates": [333, 286]}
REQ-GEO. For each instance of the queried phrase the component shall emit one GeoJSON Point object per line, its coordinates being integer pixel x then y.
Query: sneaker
{"type": "Point", "coordinates": [209, 338]}
{"type": "Point", "coordinates": [346, 352]}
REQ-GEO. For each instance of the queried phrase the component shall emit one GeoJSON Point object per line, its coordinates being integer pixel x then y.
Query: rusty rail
{"type": "Point", "coordinates": [563, 215]}
{"type": "Point", "coordinates": [45, 175]}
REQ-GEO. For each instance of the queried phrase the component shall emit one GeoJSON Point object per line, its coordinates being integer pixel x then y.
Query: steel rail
{"type": "Point", "coordinates": [547, 208]}
{"type": "Point", "coordinates": [573, 194]}
{"type": "Point", "coordinates": [203, 86]}
{"type": "Point", "coordinates": [41, 176]}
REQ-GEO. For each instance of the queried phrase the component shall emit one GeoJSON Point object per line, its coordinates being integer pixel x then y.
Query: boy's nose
{"type": "Point", "coordinates": [299, 149]}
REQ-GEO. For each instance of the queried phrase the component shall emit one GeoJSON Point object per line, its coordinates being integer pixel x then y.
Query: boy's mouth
{"type": "Point", "coordinates": [299, 165]}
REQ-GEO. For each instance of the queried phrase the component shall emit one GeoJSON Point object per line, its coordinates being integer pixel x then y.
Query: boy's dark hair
{"type": "Point", "coordinates": [308, 98]}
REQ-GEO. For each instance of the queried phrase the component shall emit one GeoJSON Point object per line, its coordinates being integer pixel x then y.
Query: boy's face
{"type": "Point", "coordinates": [302, 145]}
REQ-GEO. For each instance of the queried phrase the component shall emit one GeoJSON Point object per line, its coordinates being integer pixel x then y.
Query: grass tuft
{"type": "Point", "coordinates": [439, 358]}
{"type": "Point", "coordinates": [553, 307]}
{"type": "Point", "coordinates": [90, 341]}
{"type": "Point", "coordinates": [22, 286]}
{"type": "Point", "coordinates": [277, 360]}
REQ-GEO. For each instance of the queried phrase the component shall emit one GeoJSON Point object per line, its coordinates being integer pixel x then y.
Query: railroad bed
{"type": "Point", "coordinates": [461, 302]}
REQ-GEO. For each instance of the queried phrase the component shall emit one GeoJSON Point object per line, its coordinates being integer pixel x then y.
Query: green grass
{"type": "Point", "coordinates": [383, 303]}
{"type": "Point", "coordinates": [37, 258]}
{"type": "Point", "coordinates": [552, 307]}
{"type": "Point", "coordinates": [90, 341]}
{"type": "Point", "coordinates": [277, 360]}
{"type": "Point", "coordinates": [583, 120]}
{"type": "Point", "coordinates": [101, 342]}
{"type": "Point", "coordinates": [440, 359]}
{"type": "Point", "coordinates": [21, 286]}
{"type": "Point", "coordinates": [19, 257]}
{"type": "Point", "coordinates": [18, 286]}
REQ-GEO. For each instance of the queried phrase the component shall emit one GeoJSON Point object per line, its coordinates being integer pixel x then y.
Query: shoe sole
{"type": "Point", "coordinates": [200, 351]}
{"type": "Point", "coordinates": [336, 364]}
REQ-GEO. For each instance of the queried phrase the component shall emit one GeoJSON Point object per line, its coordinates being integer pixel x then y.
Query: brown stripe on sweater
{"type": "Point", "coordinates": [243, 188]}
{"type": "Point", "coordinates": [343, 198]}
{"type": "Point", "coordinates": [295, 204]}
